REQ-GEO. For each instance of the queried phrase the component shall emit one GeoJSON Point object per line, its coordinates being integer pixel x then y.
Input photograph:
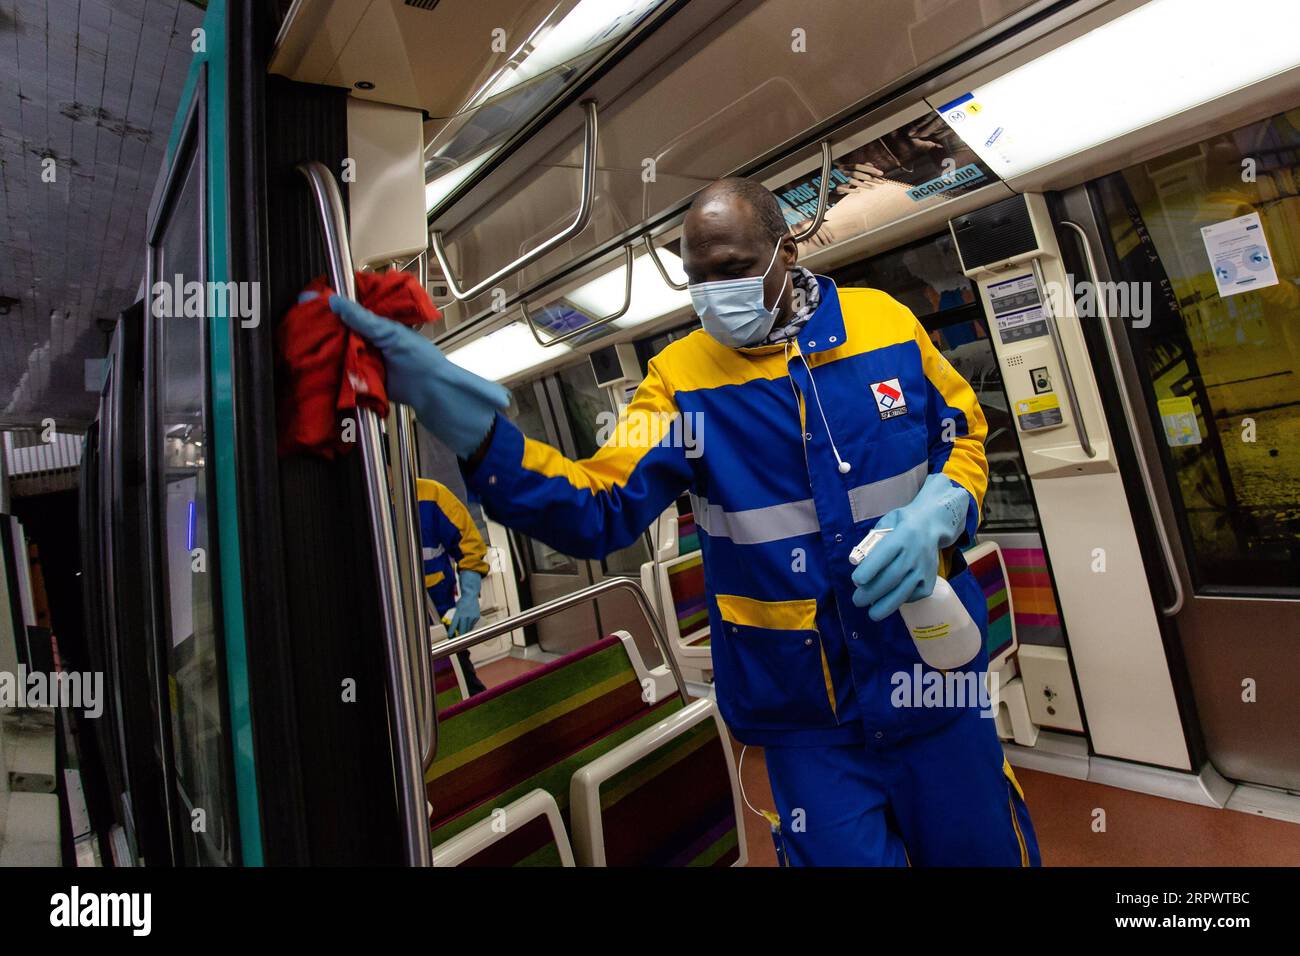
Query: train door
{"type": "Point", "coordinates": [125, 595]}
{"type": "Point", "coordinates": [183, 512]}
{"type": "Point", "coordinates": [1198, 254]}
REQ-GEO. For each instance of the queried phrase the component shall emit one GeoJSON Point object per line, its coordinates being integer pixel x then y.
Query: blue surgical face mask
{"type": "Point", "coordinates": [734, 311]}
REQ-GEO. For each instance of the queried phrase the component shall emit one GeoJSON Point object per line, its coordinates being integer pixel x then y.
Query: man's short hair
{"type": "Point", "coordinates": [766, 207]}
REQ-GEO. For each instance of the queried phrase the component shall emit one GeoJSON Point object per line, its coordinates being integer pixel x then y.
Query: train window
{"type": "Point", "coordinates": [648, 348]}
{"type": "Point", "coordinates": [190, 627]}
{"type": "Point", "coordinates": [589, 413]}
{"type": "Point", "coordinates": [526, 412]}
{"type": "Point", "coordinates": [926, 277]}
{"type": "Point", "coordinates": [587, 407]}
{"type": "Point", "coordinates": [1219, 356]}
{"type": "Point", "coordinates": [1008, 502]}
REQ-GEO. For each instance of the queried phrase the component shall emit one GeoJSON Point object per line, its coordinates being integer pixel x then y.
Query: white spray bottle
{"type": "Point", "coordinates": [942, 629]}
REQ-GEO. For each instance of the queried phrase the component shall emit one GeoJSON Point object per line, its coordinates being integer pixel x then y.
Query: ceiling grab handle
{"type": "Point", "coordinates": [663, 272]}
{"type": "Point", "coordinates": [1130, 421]}
{"type": "Point", "coordinates": [823, 195]}
{"type": "Point", "coordinates": [589, 143]}
{"type": "Point", "coordinates": [412, 802]}
{"type": "Point", "coordinates": [603, 320]}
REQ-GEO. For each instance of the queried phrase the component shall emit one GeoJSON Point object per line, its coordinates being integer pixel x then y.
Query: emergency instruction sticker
{"type": "Point", "coordinates": [1179, 417]}
{"type": "Point", "coordinates": [1041, 411]}
{"type": "Point", "coordinates": [1239, 255]}
{"type": "Point", "coordinates": [889, 398]}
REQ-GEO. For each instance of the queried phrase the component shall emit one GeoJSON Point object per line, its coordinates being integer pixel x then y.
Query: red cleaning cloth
{"type": "Point", "coordinates": [324, 369]}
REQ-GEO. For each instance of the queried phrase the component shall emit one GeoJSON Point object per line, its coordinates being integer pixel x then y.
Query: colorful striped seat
{"type": "Point", "coordinates": [1038, 619]}
{"type": "Point", "coordinates": [685, 611]}
{"type": "Point", "coordinates": [686, 584]}
{"type": "Point", "coordinates": [534, 732]}
{"type": "Point", "coordinates": [669, 797]}
{"type": "Point", "coordinates": [688, 536]}
{"type": "Point", "coordinates": [447, 690]}
{"type": "Point", "coordinates": [985, 560]}
{"type": "Point", "coordinates": [535, 836]}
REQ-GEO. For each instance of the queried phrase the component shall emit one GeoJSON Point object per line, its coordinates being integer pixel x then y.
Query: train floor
{"type": "Point", "coordinates": [1141, 830]}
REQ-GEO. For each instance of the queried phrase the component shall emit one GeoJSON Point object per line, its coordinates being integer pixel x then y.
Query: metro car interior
{"type": "Point", "coordinates": [1033, 179]}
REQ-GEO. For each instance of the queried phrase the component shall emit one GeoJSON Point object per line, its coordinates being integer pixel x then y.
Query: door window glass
{"type": "Point", "coordinates": [1221, 358]}
{"type": "Point", "coordinates": [194, 677]}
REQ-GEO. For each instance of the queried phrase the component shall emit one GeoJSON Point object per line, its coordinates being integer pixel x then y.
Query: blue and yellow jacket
{"type": "Point", "coordinates": [795, 662]}
{"type": "Point", "coordinates": [449, 540]}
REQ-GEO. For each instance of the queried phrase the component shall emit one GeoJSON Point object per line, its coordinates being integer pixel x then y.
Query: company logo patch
{"type": "Point", "coordinates": [889, 398]}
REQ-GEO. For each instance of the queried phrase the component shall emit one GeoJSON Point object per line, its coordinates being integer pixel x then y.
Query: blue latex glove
{"type": "Point", "coordinates": [903, 566]}
{"type": "Point", "coordinates": [467, 613]}
{"type": "Point", "coordinates": [454, 404]}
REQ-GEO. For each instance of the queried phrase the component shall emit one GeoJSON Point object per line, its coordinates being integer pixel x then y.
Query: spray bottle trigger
{"type": "Point", "coordinates": [863, 548]}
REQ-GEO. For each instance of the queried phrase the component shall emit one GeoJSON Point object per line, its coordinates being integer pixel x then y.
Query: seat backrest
{"type": "Point", "coordinates": [534, 731]}
{"type": "Point", "coordinates": [1038, 619]}
{"type": "Point", "coordinates": [985, 561]}
{"type": "Point", "coordinates": [536, 836]}
{"type": "Point", "coordinates": [686, 584]}
{"type": "Point", "coordinates": [688, 536]}
{"type": "Point", "coordinates": [672, 803]}
{"type": "Point", "coordinates": [446, 685]}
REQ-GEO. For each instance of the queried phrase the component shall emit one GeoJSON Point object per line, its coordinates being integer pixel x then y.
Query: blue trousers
{"type": "Point", "coordinates": [946, 798]}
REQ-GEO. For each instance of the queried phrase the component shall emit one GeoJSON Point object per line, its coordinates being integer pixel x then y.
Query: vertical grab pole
{"type": "Point", "coordinates": [410, 562]}
{"type": "Point", "coordinates": [403, 454]}
{"type": "Point", "coordinates": [411, 802]}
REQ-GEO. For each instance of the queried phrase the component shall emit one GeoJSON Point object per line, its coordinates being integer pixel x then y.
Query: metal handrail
{"type": "Point", "coordinates": [489, 315]}
{"type": "Point", "coordinates": [589, 144]}
{"type": "Point", "coordinates": [535, 614]}
{"type": "Point", "coordinates": [406, 502]}
{"type": "Point", "coordinates": [602, 321]}
{"type": "Point", "coordinates": [663, 273]}
{"type": "Point", "coordinates": [1130, 421]}
{"type": "Point", "coordinates": [411, 799]}
{"type": "Point", "coordinates": [408, 458]}
{"type": "Point", "coordinates": [1076, 412]}
{"type": "Point", "coordinates": [823, 196]}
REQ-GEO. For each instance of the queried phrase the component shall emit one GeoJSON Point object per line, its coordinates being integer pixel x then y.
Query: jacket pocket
{"type": "Point", "coordinates": [779, 676]}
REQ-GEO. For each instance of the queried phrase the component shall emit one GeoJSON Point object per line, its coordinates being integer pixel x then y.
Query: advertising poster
{"type": "Point", "coordinates": [917, 166]}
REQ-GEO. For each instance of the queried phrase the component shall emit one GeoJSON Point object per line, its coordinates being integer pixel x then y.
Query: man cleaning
{"type": "Point", "coordinates": [453, 551]}
{"type": "Point", "coordinates": [820, 414]}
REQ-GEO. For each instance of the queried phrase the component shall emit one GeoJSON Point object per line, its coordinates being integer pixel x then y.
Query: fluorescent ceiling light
{"type": "Point", "coordinates": [584, 28]}
{"type": "Point", "coordinates": [504, 353]}
{"type": "Point", "coordinates": [436, 190]}
{"type": "Point", "coordinates": [1152, 63]}
{"type": "Point", "coordinates": [651, 296]}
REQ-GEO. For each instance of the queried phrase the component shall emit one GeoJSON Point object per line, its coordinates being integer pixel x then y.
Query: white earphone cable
{"type": "Point", "coordinates": [845, 467]}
